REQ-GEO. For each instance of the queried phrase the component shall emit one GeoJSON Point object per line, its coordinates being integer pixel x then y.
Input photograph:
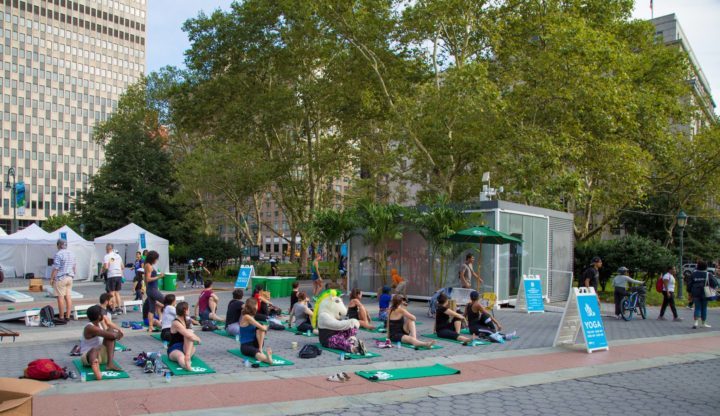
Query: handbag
{"type": "Point", "coordinates": [709, 291]}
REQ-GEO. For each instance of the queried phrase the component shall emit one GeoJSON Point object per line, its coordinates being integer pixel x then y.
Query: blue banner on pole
{"type": "Point", "coordinates": [591, 320]}
{"type": "Point", "coordinates": [533, 295]}
{"type": "Point", "coordinates": [143, 242]}
{"type": "Point", "coordinates": [20, 198]}
{"type": "Point", "coordinates": [243, 277]}
{"type": "Point", "coordinates": [343, 249]}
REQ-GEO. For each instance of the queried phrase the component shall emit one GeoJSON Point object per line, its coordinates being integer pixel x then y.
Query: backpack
{"type": "Point", "coordinates": [309, 351]}
{"type": "Point", "coordinates": [208, 325]}
{"type": "Point", "coordinates": [659, 286]}
{"type": "Point", "coordinates": [44, 369]}
{"type": "Point", "coordinates": [47, 316]}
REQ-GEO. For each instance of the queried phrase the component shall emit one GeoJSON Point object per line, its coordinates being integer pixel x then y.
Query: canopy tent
{"type": "Point", "coordinates": [84, 252]}
{"type": "Point", "coordinates": [126, 241]}
{"type": "Point", "coordinates": [27, 251]}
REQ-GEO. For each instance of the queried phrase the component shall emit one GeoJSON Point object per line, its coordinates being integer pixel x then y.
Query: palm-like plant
{"type": "Point", "coordinates": [381, 223]}
{"type": "Point", "coordinates": [332, 227]}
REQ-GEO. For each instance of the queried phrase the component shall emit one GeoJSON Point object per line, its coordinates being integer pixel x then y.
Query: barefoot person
{"type": "Point", "coordinates": [356, 310]}
{"type": "Point", "coordinates": [97, 346]}
{"type": "Point", "coordinates": [61, 278]}
{"type": "Point", "coordinates": [401, 324]}
{"type": "Point", "coordinates": [252, 334]}
{"type": "Point", "coordinates": [481, 323]}
{"type": "Point", "coordinates": [154, 296]}
{"type": "Point", "coordinates": [182, 339]}
{"type": "Point", "coordinates": [234, 312]}
{"type": "Point", "coordinates": [448, 322]}
{"type": "Point", "coordinates": [207, 304]}
{"type": "Point", "coordinates": [301, 315]}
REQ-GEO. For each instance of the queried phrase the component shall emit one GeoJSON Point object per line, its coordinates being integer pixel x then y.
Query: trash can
{"type": "Point", "coordinates": [275, 286]}
{"type": "Point", "coordinates": [257, 280]}
{"type": "Point", "coordinates": [170, 282]}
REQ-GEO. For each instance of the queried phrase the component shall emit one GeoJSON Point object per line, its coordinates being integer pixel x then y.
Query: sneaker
{"type": "Point", "coordinates": [662, 318]}
{"type": "Point", "coordinates": [705, 325]}
{"type": "Point", "coordinates": [125, 324]}
{"type": "Point", "coordinates": [149, 367]}
{"type": "Point", "coordinates": [678, 319]}
{"type": "Point", "coordinates": [75, 352]}
{"type": "Point", "coordinates": [688, 306]}
{"type": "Point", "coordinates": [618, 317]}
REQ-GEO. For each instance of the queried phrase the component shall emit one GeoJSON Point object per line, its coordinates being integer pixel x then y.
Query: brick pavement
{"type": "Point", "coordinates": [680, 389]}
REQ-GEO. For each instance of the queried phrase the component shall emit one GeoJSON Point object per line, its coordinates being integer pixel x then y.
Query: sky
{"type": "Point", "coordinates": [166, 42]}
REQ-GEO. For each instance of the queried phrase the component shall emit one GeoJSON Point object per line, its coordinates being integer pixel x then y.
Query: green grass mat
{"type": "Point", "coordinates": [106, 374]}
{"type": "Point", "coordinates": [277, 360]}
{"type": "Point", "coordinates": [120, 347]}
{"type": "Point", "coordinates": [405, 373]}
{"type": "Point", "coordinates": [472, 343]}
{"type": "Point", "coordinates": [434, 347]}
{"type": "Point", "coordinates": [296, 332]}
{"type": "Point", "coordinates": [198, 367]}
{"type": "Point", "coordinates": [348, 355]}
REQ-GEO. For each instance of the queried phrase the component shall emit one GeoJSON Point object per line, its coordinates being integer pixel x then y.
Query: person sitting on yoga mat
{"type": "Point", "coordinates": [384, 303]}
{"type": "Point", "coordinates": [168, 316]}
{"type": "Point", "coordinates": [182, 339]}
{"type": "Point", "coordinates": [401, 324]}
{"type": "Point", "coordinates": [301, 314]}
{"type": "Point", "coordinates": [234, 312]}
{"type": "Point", "coordinates": [448, 322]}
{"type": "Point", "coordinates": [106, 304]}
{"type": "Point", "coordinates": [356, 310]}
{"type": "Point", "coordinates": [207, 304]}
{"type": "Point", "coordinates": [265, 307]}
{"type": "Point", "coordinates": [481, 323]}
{"type": "Point", "coordinates": [154, 296]}
{"type": "Point", "coordinates": [97, 346]}
{"type": "Point", "coordinates": [252, 334]}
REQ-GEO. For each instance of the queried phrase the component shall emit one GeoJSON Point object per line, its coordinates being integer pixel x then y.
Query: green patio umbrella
{"type": "Point", "coordinates": [482, 235]}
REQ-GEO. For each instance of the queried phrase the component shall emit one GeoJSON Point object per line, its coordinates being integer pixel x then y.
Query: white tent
{"type": "Point", "coordinates": [27, 251]}
{"type": "Point", "coordinates": [126, 241]}
{"type": "Point", "coordinates": [2, 232]}
{"type": "Point", "coordinates": [84, 252]}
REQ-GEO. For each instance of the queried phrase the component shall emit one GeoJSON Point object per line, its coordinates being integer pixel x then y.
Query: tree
{"type": "Point", "coordinates": [136, 183]}
{"type": "Point", "coordinates": [331, 227]}
{"type": "Point", "coordinates": [54, 222]}
{"type": "Point", "coordinates": [380, 224]}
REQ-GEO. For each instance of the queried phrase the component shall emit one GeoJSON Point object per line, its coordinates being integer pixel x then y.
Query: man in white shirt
{"type": "Point", "coordinates": [113, 264]}
{"type": "Point", "coordinates": [467, 273]}
{"type": "Point", "coordinates": [669, 294]}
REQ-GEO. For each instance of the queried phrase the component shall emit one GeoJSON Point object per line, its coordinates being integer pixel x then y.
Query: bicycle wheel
{"type": "Point", "coordinates": [625, 309]}
{"type": "Point", "coordinates": [641, 306]}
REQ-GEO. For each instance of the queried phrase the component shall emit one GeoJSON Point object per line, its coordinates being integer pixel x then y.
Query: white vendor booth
{"type": "Point", "coordinates": [2, 232]}
{"type": "Point", "coordinates": [126, 241]}
{"type": "Point", "coordinates": [84, 251]}
{"type": "Point", "coordinates": [27, 251]}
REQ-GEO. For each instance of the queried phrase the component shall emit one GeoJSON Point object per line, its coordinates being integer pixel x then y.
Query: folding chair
{"type": "Point", "coordinates": [489, 300]}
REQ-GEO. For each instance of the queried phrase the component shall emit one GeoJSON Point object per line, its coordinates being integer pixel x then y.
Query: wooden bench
{"type": "Point", "coordinates": [80, 311]}
{"type": "Point", "coordinates": [4, 332]}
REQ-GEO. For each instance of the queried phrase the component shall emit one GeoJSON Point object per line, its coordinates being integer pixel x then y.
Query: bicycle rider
{"type": "Point", "coordinates": [620, 282]}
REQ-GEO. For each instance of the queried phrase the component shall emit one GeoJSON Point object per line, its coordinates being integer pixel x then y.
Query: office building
{"type": "Point", "coordinates": [64, 66]}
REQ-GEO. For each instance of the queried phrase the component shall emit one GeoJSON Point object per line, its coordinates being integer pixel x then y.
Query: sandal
{"type": "Point", "coordinates": [337, 378]}
{"type": "Point", "coordinates": [345, 376]}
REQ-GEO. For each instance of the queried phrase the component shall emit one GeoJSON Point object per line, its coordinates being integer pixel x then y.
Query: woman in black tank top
{"type": "Point", "coordinates": [401, 325]}
{"type": "Point", "coordinates": [356, 310]}
{"type": "Point", "coordinates": [481, 323]}
{"type": "Point", "coordinates": [182, 339]}
{"type": "Point", "coordinates": [448, 322]}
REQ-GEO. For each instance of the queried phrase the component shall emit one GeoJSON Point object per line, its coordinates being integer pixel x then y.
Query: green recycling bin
{"type": "Point", "coordinates": [170, 281]}
{"type": "Point", "coordinates": [275, 286]}
{"type": "Point", "coordinates": [257, 280]}
{"type": "Point", "coordinates": [287, 283]}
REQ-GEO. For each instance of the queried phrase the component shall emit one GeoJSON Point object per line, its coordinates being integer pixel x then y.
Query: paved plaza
{"type": "Point", "coordinates": [497, 374]}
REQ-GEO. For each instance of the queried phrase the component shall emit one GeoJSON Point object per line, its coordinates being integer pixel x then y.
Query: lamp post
{"type": "Point", "coordinates": [681, 223]}
{"type": "Point", "coordinates": [11, 188]}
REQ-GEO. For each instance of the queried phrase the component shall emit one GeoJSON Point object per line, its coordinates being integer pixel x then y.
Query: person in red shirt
{"type": "Point", "coordinates": [207, 304]}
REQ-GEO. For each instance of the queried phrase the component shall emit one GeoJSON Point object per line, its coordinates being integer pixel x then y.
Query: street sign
{"type": "Point", "coordinates": [244, 275]}
{"type": "Point", "coordinates": [582, 310]}
{"type": "Point", "coordinates": [529, 298]}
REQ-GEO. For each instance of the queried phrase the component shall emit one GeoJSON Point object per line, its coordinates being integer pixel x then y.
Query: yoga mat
{"type": "Point", "coordinates": [296, 332]}
{"type": "Point", "coordinates": [405, 373]}
{"type": "Point", "coordinates": [434, 347]}
{"type": "Point", "coordinates": [466, 331]}
{"type": "Point", "coordinates": [472, 343]}
{"type": "Point", "coordinates": [120, 347]}
{"type": "Point", "coordinates": [198, 366]}
{"type": "Point", "coordinates": [374, 331]}
{"type": "Point", "coordinates": [277, 360]}
{"type": "Point", "coordinates": [106, 375]}
{"type": "Point", "coordinates": [348, 355]}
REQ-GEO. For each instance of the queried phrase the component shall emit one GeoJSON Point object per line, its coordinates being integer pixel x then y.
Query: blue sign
{"type": "Point", "coordinates": [143, 243]}
{"type": "Point", "coordinates": [533, 295]}
{"type": "Point", "coordinates": [243, 278]}
{"type": "Point", "coordinates": [343, 249]}
{"type": "Point", "coordinates": [591, 321]}
{"type": "Point", "coordinates": [63, 235]}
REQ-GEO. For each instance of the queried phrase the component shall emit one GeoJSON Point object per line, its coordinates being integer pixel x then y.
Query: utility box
{"type": "Point", "coordinates": [16, 396]}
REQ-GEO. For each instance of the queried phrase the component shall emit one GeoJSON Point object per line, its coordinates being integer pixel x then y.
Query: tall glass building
{"type": "Point", "coordinates": [64, 66]}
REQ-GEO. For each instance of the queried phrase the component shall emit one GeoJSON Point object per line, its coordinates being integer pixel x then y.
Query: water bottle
{"type": "Point", "coordinates": [165, 344]}
{"type": "Point", "coordinates": [83, 376]}
{"type": "Point", "coordinates": [308, 333]}
{"type": "Point", "coordinates": [167, 376]}
{"type": "Point", "coordinates": [246, 363]}
{"type": "Point", "coordinates": [342, 355]}
{"type": "Point", "coordinates": [399, 344]}
{"type": "Point", "coordinates": [237, 338]}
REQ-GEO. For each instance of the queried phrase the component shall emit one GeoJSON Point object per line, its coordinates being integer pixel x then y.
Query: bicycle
{"type": "Point", "coordinates": [634, 303]}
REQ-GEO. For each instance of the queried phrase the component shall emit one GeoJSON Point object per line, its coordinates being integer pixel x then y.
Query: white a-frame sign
{"type": "Point", "coordinates": [582, 311]}
{"type": "Point", "coordinates": [530, 295]}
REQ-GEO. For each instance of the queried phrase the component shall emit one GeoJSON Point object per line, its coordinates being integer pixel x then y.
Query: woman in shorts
{"type": "Point", "coordinates": [252, 334]}
{"type": "Point", "coordinates": [401, 324]}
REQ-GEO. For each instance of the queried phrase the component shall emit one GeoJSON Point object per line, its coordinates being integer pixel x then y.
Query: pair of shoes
{"type": "Point", "coordinates": [661, 318]}
{"type": "Point", "coordinates": [125, 324]}
{"type": "Point", "coordinates": [75, 352]}
{"type": "Point", "coordinates": [678, 319]}
{"type": "Point", "coordinates": [136, 326]}
{"type": "Point", "coordinates": [339, 377]}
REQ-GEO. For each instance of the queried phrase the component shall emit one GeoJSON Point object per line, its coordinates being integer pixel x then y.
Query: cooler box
{"type": "Point", "coordinates": [170, 281]}
{"type": "Point", "coordinates": [275, 286]}
{"type": "Point", "coordinates": [257, 280]}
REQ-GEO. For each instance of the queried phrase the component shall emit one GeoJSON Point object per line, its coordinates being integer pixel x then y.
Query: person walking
{"type": "Point", "coordinates": [113, 265]}
{"type": "Point", "coordinates": [591, 275]}
{"type": "Point", "coordinates": [700, 278]}
{"type": "Point", "coordinates": [467, 273]}
{"type": "Point", "coordinates": [273, 266]}
{"type": "Point", "coordinates": [61, 278]}
{"type": "Point", "coordinates": [315, 275]}
{"type": "Point", "coordinates": [668, 293]}
{"type": "Point", "coordinates": [620, 283]}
